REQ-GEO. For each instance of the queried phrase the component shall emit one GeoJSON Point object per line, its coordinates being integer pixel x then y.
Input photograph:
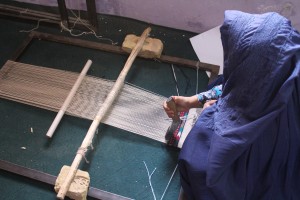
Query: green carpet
{"type": "Point", "coordinates": [117, 161]}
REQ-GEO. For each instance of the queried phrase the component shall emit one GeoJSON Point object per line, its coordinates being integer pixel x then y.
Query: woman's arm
{"type": "Point", "coordinates": [196, 101]}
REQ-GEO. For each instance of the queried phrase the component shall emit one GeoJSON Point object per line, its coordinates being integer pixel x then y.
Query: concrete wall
{"type": "Point", "coordinates": [191, 15]}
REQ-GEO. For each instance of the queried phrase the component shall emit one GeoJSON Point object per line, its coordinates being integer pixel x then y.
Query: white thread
{"type": "Point", "coordinates": [175, 80]}
{"type": "Point", "coordinates": [169, 182]}
{"type": "Point", "coordinates": [75, 23]}
{"type": "Point", "coordinates": [70, 30]}
{"type": "Point", "coordinates": [63, 27]}
{"type": "Point", "coordinates": [149, 178]}
{"type": "Point", "coordinates": [37, 26]}
{"type": "Point", "coordinates": [84, 33]}
{"type": "Point", "coordinates": [82, 152]}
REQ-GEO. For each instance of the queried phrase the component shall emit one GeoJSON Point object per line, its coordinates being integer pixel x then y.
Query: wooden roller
{"type": "Point", "coordinates": [68, 100]}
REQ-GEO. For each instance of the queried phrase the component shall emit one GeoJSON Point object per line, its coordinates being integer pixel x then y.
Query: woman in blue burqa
{"type": "Point", "coordinates": [246, 145]}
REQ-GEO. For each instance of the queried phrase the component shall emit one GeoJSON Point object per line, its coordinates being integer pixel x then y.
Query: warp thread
{"type": "Point", "coordinates": [142, 104]}
{"type": "Point", "coordinates": [187, 80]}
{"type": "Point", "coordinates": [176, 83]}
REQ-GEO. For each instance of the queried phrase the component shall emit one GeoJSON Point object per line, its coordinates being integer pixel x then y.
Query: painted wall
{"type": "Point", "coordinates": [191, 15]}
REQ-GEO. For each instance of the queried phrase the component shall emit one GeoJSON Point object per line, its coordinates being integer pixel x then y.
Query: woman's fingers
{"type": "Point", "coordinates": [208, 104]}
{"type": "Point", "coordinates": [168, 110]}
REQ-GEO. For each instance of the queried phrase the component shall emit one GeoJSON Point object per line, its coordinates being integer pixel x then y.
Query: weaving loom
{"type": "Point", "coordinates": [113, 145]}
{"type": "Point", "coordinates": [136, 110]}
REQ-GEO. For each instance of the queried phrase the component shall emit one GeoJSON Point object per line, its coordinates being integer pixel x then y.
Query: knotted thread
{"type": "Point", "coordinates": [82, 151]}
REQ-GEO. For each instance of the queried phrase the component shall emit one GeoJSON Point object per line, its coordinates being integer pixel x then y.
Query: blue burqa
{"type": "Point", "coordinates": [247, 145]}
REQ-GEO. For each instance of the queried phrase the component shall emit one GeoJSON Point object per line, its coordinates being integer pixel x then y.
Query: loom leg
{"type": "Point", "coordinates": [92, 14]}
{"type": "Point", "coordinates": [79, 187]}
{"type": "Point", "coordinates": [63, 12]}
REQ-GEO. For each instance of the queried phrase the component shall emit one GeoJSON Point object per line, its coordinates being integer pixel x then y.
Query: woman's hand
{"type": "Point", "coordinates": [209, 103]}
{"type": "Point", "coordinates": [182, 104]}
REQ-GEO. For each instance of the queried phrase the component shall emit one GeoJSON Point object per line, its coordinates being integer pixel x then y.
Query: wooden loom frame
{"type": "Point", "coordinates": [112, 49]}
{"type": "Point", "coordinates": [43, 177]}
{"type": "Point", "coordinates": [213, 69]}
{"type": "Point", "coordinates": [13, 11]}
{"type": "Point", "coordinates": [91, 11]}
{"type": "Point", "coordinates": [62, 17]}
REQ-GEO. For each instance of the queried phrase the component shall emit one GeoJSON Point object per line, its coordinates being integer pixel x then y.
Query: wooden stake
{"type": "Point", "coordinates": [68, 100]}
{"type": "Point", "coordinates": [101, 113]}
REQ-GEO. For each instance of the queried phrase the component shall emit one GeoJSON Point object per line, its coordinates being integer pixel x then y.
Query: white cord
{"type": "Point", "coordinates": [149, 178]}
{"type": "Point", "coordinates": [169, 182]}
{"type": "Point", "coordinates": [175, 79]}
{"type": "Point", "coordinates": [37, 26]}
{"type": "Point", "coordinates": [84, 33]}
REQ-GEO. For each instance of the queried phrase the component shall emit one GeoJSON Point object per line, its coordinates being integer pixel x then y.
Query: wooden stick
{"type": "Point", "coordinates": [43, 177]}
{"type": "Point", "coordinates": [68, 100]}
{"type": "Point", "coordinates": [101, 113]}
{"type": "Point", "coordinates": [214, 69]}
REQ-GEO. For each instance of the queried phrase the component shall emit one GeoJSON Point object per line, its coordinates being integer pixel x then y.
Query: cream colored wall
{"type": "Point", "coordinates": [191, 15]}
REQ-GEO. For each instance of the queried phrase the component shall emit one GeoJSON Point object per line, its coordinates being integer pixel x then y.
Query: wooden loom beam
{"type": "Point", "coordinates": [214, 69]}
{"type": "Point", "coordinates": [14, 11]}
{"type": "Point", "coordinates": [29, 14]}
{"type": "Point", "coordinates": [21, 48]}
{"type": "Point", "coordinates": [22, 13]}
{"type": "Point", "coordinates": [50, 179]}
{"type": "Point", "coordinates": [112, 95]}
